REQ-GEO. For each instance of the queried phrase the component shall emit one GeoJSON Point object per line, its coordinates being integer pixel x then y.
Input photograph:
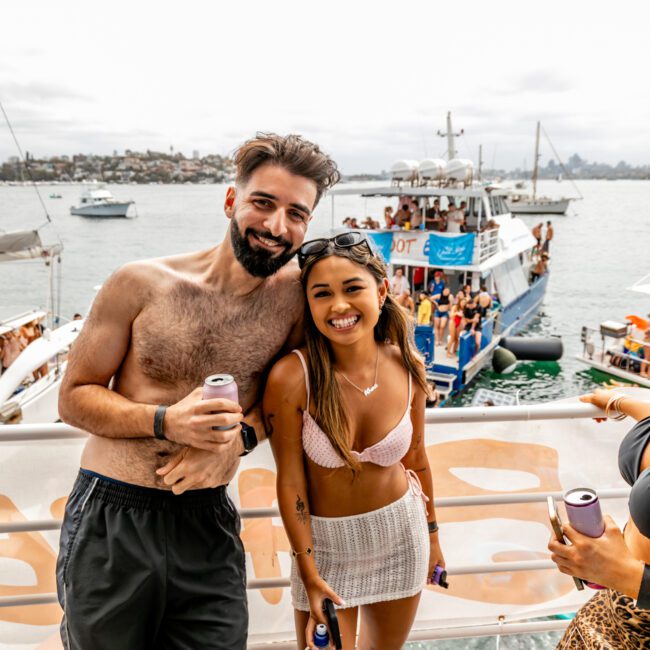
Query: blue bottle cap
{"type": "Point", "coordinates": [321, 636]}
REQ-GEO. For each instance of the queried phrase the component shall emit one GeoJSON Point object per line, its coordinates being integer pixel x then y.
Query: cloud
{"type": "Point", "coordinates": [38, 92]}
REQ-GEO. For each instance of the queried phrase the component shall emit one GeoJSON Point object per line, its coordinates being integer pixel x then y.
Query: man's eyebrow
{"type": "Point", "coordinates": [266, 195]}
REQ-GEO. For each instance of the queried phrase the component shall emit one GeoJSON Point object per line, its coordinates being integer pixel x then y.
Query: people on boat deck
{"type": "Point", "coordinates": [424, 309]}
{"type": "Point", "coordinates": [436, 285]}
{"type": "Point", "coordinates": [399, 286]}
{"type": "Point", "coordinates": [537, 232]}
{"type": "Point", "coordinates": [442, 302]}
{"type": "Point", "coordinates": [484, 301]}
{"type": "Point", "coordinates": [356, 500]}
{"type": "Point", "coordinates": [455, 219]}
{"type": "Point", "coordinates": [389, 220]}
{"type": "Point", "coordinates": [14, 344]}
{"type": "Point", "coordinates": [403, 215]}
{"type": "Point", "coordinates": [433, 216]}
{"type": "Point", "coordinates": [619, 615]}
{"type": "Point", "coordinates": [416, 215]}
{"type": "Point", "coordinates": [455, 324]}
{"type": "Point", "coordinates": [472, 321]}
{"type": "Point", "coordinates": [548, 237]}
{"type": "Point", "coordinates": [150, 554]}
{"type": "Point", "coordinates": [540, 268]}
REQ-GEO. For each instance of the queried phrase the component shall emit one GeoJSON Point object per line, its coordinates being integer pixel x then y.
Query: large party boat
{"type": "Point", "coordinates": [496, 250]}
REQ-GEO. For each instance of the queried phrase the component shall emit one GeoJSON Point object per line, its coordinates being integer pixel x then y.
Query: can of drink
{"type": "Point", "coordinates": [221, 387]}
{"type": "Point", "coordinates": [583, 511]}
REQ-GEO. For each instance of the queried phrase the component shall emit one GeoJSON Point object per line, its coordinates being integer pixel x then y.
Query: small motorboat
{"type": "Point", "coordinates": [99, 202]}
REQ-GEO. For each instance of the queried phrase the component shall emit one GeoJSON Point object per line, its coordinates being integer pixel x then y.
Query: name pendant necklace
{"type": "Point", "coordinates": [370, 389]}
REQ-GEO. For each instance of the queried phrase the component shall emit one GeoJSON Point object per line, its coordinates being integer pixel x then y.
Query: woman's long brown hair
{"type": "Point", "coordinates": [394, 326]}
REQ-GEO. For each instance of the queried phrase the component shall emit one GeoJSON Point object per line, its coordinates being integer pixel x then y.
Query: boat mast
{"type": "Point", "coordinates": [451, 151]}
{"type": "Point", "coordinates": [536, 162]}
{"type": "Point", "coordinates": [480, 161]}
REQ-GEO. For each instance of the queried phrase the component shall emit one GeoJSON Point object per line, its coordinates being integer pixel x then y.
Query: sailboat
{"type": "Point", "coordinates": [522, 204]}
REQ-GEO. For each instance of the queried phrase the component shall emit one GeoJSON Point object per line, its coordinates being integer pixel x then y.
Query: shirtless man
{"type": "Point", "coordinates": [549, 237]}
{"type": "Point", "coordinates": [537, 233]}
{"type": "Point", "coordinates": [149, 553]}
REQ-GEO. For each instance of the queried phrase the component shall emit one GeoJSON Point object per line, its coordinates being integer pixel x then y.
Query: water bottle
{"type": "Point", "coordinates": [583, 510]}
{"type": "Point", "coordinates": [321, 636]}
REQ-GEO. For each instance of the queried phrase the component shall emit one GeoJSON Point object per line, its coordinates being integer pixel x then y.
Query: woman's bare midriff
{"type": "Point", "coordinates": [333, 492]}
{"type": "Point", "coordinates": [131, 460]}
{"type": "Point", "coordinates": [637, 542]}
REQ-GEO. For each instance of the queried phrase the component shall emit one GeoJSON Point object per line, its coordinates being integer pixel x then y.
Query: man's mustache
{"type": "Point", "coordinates": [267, 235]}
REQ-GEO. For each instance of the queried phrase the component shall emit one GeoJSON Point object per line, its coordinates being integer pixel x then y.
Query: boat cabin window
{"type": "Point", "coordinates": [497, 205]}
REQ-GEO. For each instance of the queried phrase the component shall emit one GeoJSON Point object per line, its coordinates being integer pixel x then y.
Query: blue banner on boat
{"type": "Point", "coordinates": [451, 251]}
{"type": "Point", "coordinates": [383, 242]}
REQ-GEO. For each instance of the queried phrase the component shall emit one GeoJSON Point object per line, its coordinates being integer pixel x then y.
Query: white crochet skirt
{"type": "Point", "coordinates": [372, 557]}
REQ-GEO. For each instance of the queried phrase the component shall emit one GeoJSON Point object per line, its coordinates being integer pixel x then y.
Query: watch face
{"type": "Point", "coordinates": [248, 436]}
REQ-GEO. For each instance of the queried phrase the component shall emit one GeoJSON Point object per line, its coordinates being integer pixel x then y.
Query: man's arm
{"type": "Point", "coordinates": [85, 401]}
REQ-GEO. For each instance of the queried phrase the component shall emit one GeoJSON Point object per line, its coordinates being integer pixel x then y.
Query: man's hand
{"type": "Point", "coordinates": [194, 469]}
{"type": "Point", "coordinates": [604, 560]}
{"type": "Point", "coordinates": [191, 422]}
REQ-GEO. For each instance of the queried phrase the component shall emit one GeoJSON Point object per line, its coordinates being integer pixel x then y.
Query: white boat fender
{"type": "Point", "coordinates": [533, 349]}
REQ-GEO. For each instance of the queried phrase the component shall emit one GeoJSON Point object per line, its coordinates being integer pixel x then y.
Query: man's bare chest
{"type": "Point", "coordinates": [185, 336]}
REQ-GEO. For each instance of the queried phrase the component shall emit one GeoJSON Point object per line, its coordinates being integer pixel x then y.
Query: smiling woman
{"type": "Point", "coordinates": [354, 484]}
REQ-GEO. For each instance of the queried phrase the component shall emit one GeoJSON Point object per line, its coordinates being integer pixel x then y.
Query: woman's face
{"type": "Point", "coordinates": [344, 299]}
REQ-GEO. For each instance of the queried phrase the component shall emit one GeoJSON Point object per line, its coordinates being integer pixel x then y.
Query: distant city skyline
{"type": "Point", "coordinates": [370, 82]}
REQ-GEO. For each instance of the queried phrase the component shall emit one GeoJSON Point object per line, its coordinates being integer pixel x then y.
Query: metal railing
{"type": "Point", "coordinates": [31, 432]}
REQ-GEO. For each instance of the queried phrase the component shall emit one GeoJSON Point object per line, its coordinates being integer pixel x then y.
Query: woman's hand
{"type": "Point", "coordinates": [317, 591]}
{"type": "Point", "coordinates": [604, 560]}
{"type": "Point", "coordinates": [598, 398]}
{"type": "Point", "coordinates": [435, 554]}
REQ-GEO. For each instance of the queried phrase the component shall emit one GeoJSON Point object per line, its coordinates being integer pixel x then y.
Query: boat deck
{"type": "Point", "coordinates": [441, 358]}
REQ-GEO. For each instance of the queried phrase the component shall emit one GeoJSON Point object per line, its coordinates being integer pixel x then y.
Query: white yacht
{"type": "Point", "coordinates": [99, 202]}
{"type": "Point", "coordinates": [29, 387]}
{"type": "Point", "coordinates": [520, 203]}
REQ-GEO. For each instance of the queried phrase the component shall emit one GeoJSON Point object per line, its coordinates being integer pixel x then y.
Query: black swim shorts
{"type": "Point", "coordinates": [141, 568]}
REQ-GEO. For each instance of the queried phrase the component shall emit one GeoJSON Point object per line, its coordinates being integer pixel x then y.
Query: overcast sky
{"type": "Point", "coordinates": [370, 81]}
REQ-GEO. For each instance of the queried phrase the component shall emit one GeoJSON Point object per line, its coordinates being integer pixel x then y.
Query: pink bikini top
{"type": "Point", "coordinates": [388, 451]}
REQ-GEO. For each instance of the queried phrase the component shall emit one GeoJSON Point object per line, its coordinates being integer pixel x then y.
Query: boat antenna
{"type": "Point", "coordinates": [450, 135]}
{"type": "Point", "coordinates": [564, 169]}
{"type": "Point", "coordinates": [22, 158]}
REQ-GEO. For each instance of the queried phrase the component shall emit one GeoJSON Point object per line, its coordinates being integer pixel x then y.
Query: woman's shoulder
{"type": "Point", "coordinates": [287, 373]}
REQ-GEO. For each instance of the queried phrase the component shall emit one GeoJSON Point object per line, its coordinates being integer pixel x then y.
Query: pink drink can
{"type": "Point", "coordinates": [221, 387]}
{"type": "Point", "coordinates": [583, 511]}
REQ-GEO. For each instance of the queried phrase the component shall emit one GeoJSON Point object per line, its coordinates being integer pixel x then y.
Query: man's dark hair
{"type": "Point", "coordinates": [292, 152]}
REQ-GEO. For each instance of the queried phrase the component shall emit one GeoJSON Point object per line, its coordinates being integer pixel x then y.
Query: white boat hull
{"type": "Point", "coordinates": [608, 369]}
{"type": "Point", "coordinates": [539, 206]}
{"type": "Point", "coordinates": [107, 210]}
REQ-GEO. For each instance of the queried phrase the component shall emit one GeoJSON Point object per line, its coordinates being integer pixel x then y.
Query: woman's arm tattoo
{"type": "Point", "coordinates": [301, 510]}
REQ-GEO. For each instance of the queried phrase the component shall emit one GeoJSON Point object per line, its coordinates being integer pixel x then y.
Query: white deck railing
{"type": "Point", "coordinates": [35, 432]}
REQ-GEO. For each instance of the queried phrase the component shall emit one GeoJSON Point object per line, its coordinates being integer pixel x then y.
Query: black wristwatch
{"type": "Point", "coordinates": [248, 437]}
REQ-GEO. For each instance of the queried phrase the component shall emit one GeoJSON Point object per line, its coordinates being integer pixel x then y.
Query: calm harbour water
{"type": "Point", "coordinates": [599, 249]}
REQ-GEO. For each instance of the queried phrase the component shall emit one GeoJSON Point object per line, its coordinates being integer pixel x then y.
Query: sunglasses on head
{"type": "Point", "coordinates": [317, 247]}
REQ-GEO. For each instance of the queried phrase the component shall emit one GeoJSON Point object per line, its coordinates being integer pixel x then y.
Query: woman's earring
{"type": "Point", "coordinates": [381, 306]}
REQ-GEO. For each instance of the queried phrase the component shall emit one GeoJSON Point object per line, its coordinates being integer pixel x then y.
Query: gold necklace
{"type": "Point", "coordinates": [370, 389]}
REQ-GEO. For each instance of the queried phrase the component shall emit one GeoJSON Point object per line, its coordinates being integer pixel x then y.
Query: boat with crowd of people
{"type": "Point", "coordinates": [496, 254]}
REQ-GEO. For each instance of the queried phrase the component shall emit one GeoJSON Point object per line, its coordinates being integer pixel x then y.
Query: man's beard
{"type": "Point", "coordinates": [260, 262]}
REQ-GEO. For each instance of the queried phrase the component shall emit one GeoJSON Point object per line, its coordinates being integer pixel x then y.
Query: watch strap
{"type": "Point", "coordinates": [159, 422]}
{"type": "Point", "coordinates": [249, 438]}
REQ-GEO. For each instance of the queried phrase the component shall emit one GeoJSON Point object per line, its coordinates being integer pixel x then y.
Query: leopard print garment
{"type": "Point", "coordinates": [609, 621]}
